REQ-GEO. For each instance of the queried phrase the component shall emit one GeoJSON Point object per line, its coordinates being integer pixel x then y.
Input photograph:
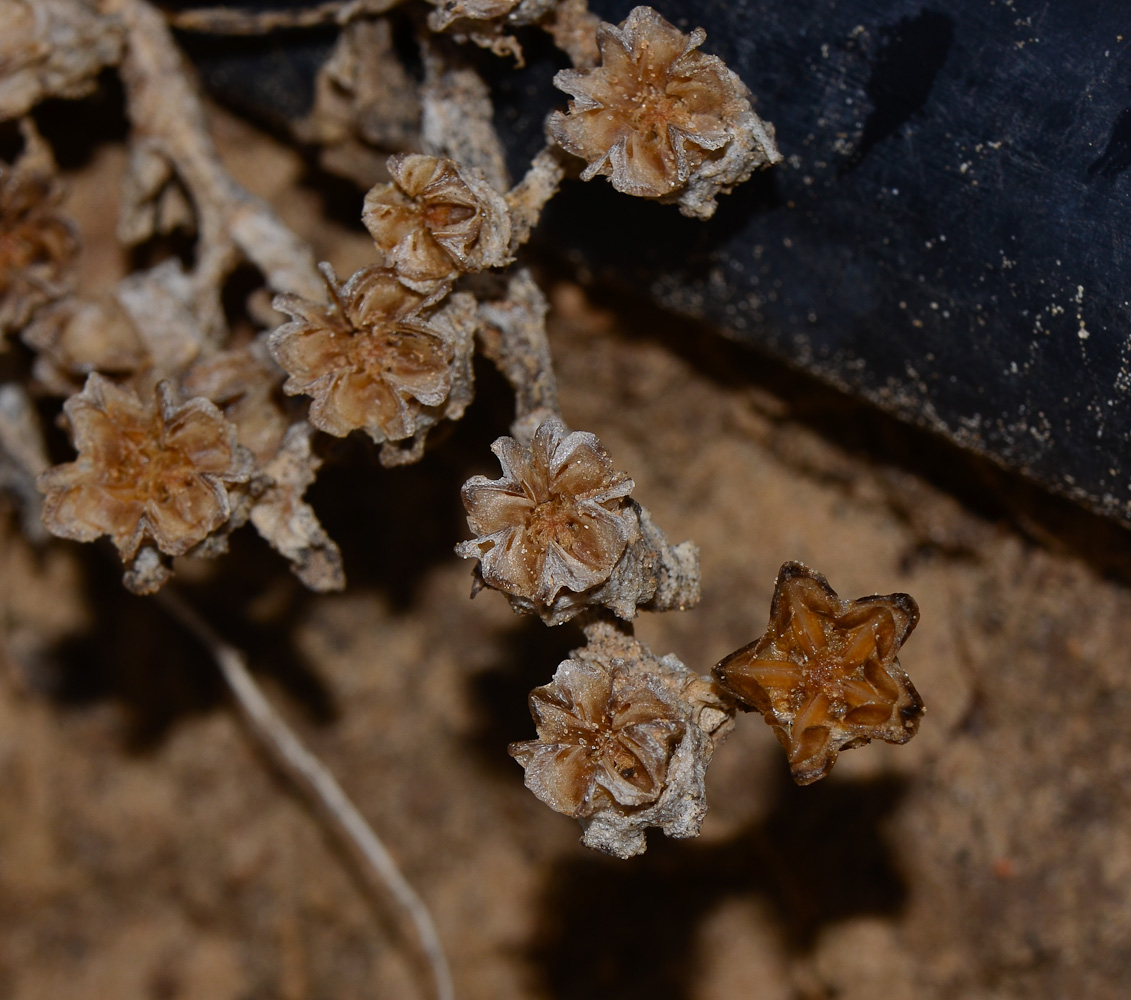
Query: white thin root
{"type": "Point", "coordinates": [312, 777]}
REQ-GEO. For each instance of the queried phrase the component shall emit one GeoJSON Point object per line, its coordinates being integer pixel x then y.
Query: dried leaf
{"type": "Point", "coordinates": [52, 48]}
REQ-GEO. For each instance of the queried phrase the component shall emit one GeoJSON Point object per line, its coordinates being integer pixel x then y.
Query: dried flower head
{"type": "Point", "coordinates": [624, 741]}
{"type": "Point", "coordinates": [146, 472]}
{"type": "Point", "coordinates": [598, 743]}
{"type": "Point", "coordinates": [374, 360]}
{"type": "Point", "coordinates": [437, 219]}
{"type": "Point", "coordinates": [661, 119]}
{"type": "Point", "coordinates": [37, 243]}
{"type": "Point", "coordinates": [825, 673]}
{"type": "Point", "coordinates": [557, 519]}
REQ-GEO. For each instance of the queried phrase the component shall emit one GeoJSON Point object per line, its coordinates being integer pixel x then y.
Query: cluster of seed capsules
{"type": "Point", "coordinates": [182, 436]}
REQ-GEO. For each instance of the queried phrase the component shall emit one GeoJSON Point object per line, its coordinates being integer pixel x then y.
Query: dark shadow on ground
{"type": "Point", "coordinates": [626, 929]}
{"type": "Point", "coordinates": [135, 654]}
{"type": "Point", "coordinates": [528, 656]}
{"type": "Point", "coordinates": [394, 526]}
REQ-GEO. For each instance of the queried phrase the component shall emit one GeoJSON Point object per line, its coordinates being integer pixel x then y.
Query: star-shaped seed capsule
{"type": "Point", "coordinates": [825, 674]}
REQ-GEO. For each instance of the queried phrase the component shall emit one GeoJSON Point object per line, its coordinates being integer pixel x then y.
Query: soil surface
{"type": "Point", "coordinates": [149, 850]}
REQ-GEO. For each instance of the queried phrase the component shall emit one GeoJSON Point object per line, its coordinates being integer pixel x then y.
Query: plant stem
{"type": "Point", "coordinates": [313, 778]}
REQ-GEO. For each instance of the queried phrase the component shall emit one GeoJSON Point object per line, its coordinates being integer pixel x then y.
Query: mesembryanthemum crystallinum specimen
{"type": "Point", "coordinates": [825, 673]}
{"type": "Point", "coordinates": [661, 119]}
{"type": "Point", "coordinates": [437, 219]}
{"type": "Point", "coordinates": [146, 471]}
{"type": "Point", "coordinates": [379, 357]}
{"type": "Point", "coordinates": [558, 533]}
{"type": "Point", "coordinates": [555, 520]}
{"type": "Point", "coordinates": [624, 740]}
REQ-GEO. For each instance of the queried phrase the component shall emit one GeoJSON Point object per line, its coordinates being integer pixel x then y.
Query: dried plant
{"type": "Point", "coordinates": [184, 434]}
{"type": "Point", "coordinates": [825, 673]}
{"type": "Point", "coordinates": [378, 359]}
{"type": "Point", "coordinates": [145, 471]}
{"type": "Point", "coordinates": [558, 534]}
{"type": "Point", "coordinates": [436, 220]}
{"type": "Point", "coordinates": [661, 119]}
{"type": "Point", "coordinates": [602, 743]}
{"type": "Point", "coordinates": [556, 520]}
{"type": "Point", "coordinates": [37, 242]}
{"type": "Point", "coordinates": [624, 740]}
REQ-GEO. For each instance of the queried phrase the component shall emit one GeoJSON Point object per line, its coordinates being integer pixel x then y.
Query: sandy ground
{"type": "Point", "coordinates": [148, 850]}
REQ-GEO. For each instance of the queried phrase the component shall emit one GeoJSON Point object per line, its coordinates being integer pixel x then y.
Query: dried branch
{"type": "Point", "coordinates": [52, 48]}
{"type": "Point", "coordinates": [22, 455]}
{"type": "Point", "coordinates": [529, 196]}
{"type": "Point", "coordinates": [171, 131]}
{"type": "Point", "coordinates": [513, 335]}
{"type": "Point", "coordinates": [574, 30]}
{"type": "Point", "coordinates": [234, 21]}
{"type": "Point", "coordinates": [457, 118]}
{"type": "Point", "coordinates": [311, 776]}
{"type": "Point", "coordinates": [365, 101]}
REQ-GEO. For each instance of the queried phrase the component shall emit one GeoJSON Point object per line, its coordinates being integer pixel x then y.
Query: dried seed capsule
{"type": "Point", "coordinates": [559, 533]}
{"type": "Point", "coordinates": [375, 360]}
{"type": "Point", "coordinates": [661, 119]}
{"type": "Point", "coordinates": [437, 219]}
{"type": "Point", "coordinates": [598, 744]}
{"type": "Point", "coordinates": [557, 520]}
{"type": "Point", "coordinates": [37, 243]}
{"type": "Point", "coordinates": [624, 741]}
{"type": "Point", "coordinates": [145, 471]}
{"type": "Point", "coordinates": [825, 674]}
